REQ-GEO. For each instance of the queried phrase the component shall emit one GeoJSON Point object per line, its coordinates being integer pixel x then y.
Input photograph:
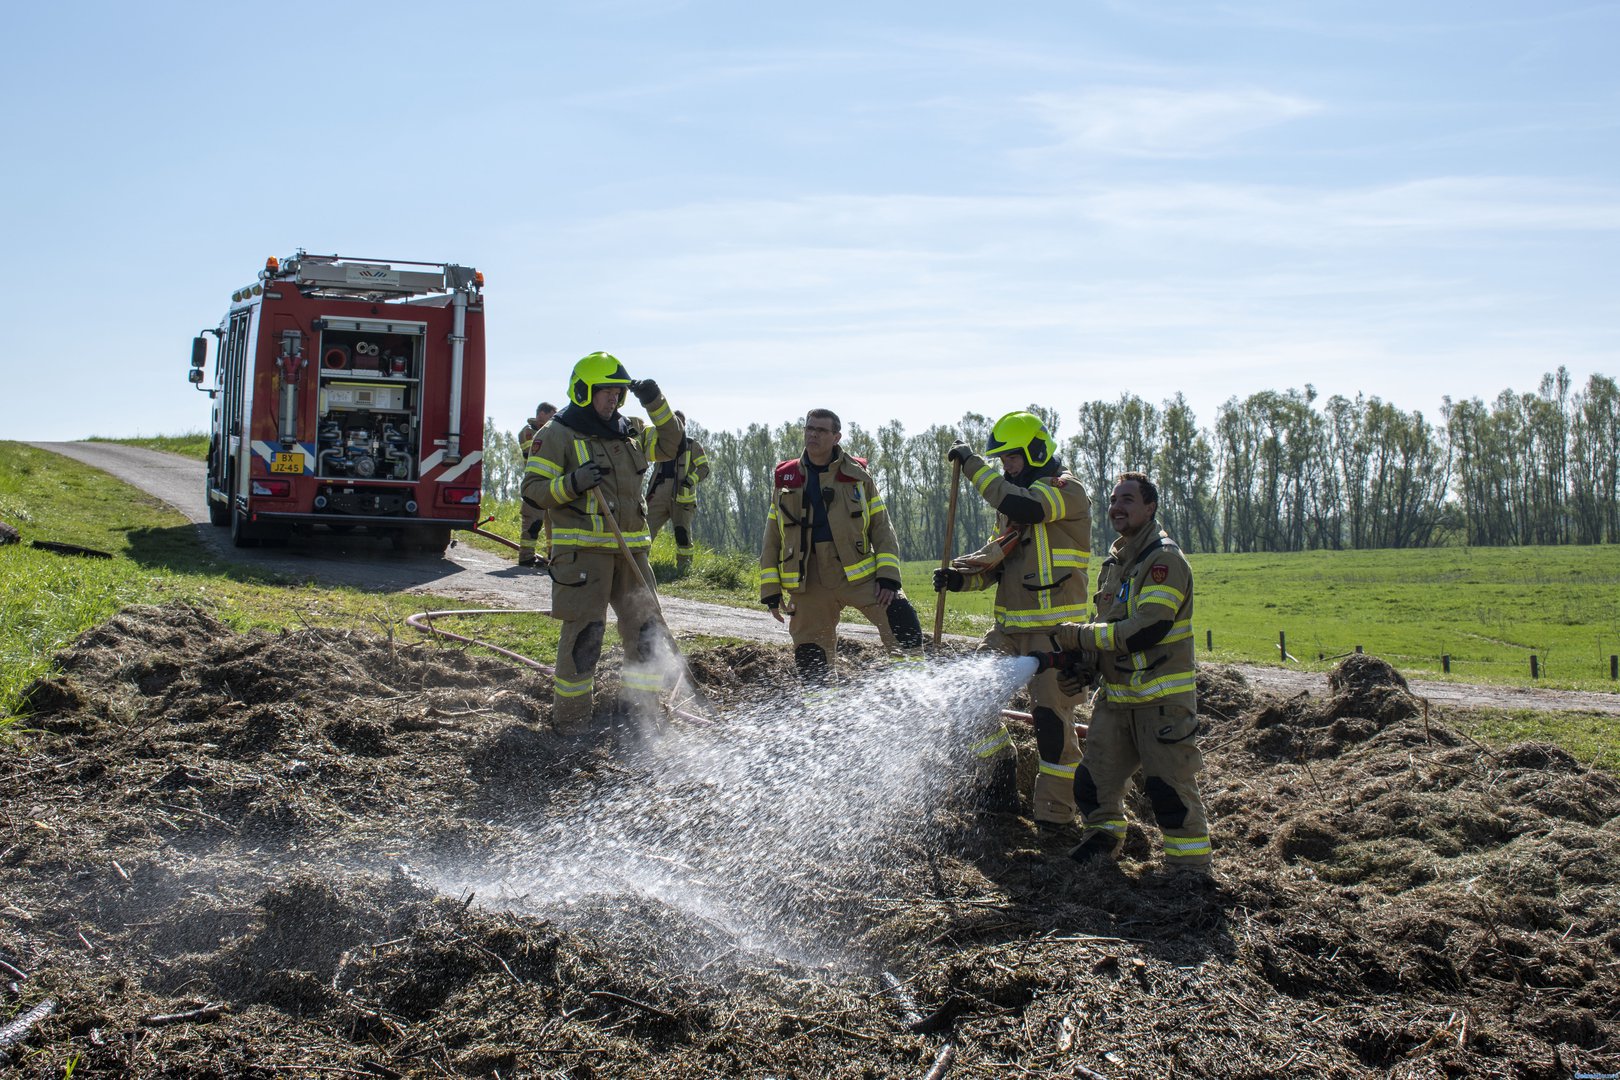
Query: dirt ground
{"type": "Point", "coordinates": [209, 867]}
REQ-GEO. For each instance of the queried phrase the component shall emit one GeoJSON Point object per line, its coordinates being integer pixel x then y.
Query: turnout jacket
{"type": "Point", "coordinates": [688, 469]}
{"type": "Point", "coordinates": [861, 530]}
{"type": "Point", "coordinates": [1039, 556]}
{"type": "Point", "coordinates": [526, 439]}
{"type": "Point", "coordinates": [577, 435]}
{"type": "Point", "coordinates": [1143, 637]}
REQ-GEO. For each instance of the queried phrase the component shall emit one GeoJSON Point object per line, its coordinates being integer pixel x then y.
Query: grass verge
{"type": "Point", "coordinates": [48, 600]}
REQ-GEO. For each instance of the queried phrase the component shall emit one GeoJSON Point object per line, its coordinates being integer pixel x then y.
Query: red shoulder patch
{"type": "Point", "coordinates": [1159, 573]}
{"type": "Point", "coordinates": [857, 460]}
{"type": "Point", "coordinates": [1058, 481]}
{"type": "Point", "coordinates": [789, 474]}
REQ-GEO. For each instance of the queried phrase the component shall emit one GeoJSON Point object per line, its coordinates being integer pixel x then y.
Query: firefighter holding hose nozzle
{"type": "Point", "coordinates": [586, 471]}
{"type": "Point", "coordinates": [1145, 713]}
{"type": "Point", "coordinates": [1037, 563]}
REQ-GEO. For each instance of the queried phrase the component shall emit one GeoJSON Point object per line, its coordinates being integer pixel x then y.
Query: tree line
{"type": "Point", "coordinates": [1277, 471]}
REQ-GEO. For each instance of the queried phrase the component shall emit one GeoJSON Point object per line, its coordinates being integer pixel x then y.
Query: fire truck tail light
{"type": "Point", "coordinates": [274, 489]}
{"type": "Point", "coordinates": [467, 496]}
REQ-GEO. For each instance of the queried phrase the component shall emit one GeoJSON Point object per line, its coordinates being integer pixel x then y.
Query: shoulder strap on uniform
{"type": "Point", "coordinates": [1162, 541]}
{"type": "Point", "coordinates": [855, 474]}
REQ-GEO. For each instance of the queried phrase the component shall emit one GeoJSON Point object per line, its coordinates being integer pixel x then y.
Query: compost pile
{"type": "Point", "coordinates": [226, 855]}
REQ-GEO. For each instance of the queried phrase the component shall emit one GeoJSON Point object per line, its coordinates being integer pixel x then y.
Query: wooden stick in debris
{"type": "Point", "coordinates": [608, 995]}
{"type": "Point", "coordinates": [942, 1063]}
{"type": "Point", "coordinates": [212, 1011]}
{"type": "Point", "coordinates": [14, 1031]}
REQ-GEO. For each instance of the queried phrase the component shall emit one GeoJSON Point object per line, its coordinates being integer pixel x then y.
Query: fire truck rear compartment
{"type": "Point", "coordinates": [369, 422]}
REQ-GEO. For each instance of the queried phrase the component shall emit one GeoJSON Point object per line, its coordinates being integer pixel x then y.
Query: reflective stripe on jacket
{"type": "Point", "coordinates": [861, 532]}
{"type": "Point", "coordinates": [576, 517]}
{"type": "Point", "coordinates": [1042, 581]}
{"type": "Point", "coordinates": [1141, 585]}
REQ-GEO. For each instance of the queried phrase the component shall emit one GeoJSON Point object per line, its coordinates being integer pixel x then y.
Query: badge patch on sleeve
{"type": "Point", "coordinates": [1159, 573]}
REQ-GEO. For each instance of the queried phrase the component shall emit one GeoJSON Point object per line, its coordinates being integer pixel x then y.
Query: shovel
{"type": "Point", "coordinates": [646, 582]}
{"type": "Point", "coordinates": [945, 556]}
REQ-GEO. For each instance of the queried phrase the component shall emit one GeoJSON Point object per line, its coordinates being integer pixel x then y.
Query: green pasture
{"type": "Point", "coordinates": [47, 600]}
{"type": "Point", "coordinates": [1489, 609]}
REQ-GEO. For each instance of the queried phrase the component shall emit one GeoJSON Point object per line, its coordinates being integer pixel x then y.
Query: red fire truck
{"type": "Point", "coordinates": [349, 393]}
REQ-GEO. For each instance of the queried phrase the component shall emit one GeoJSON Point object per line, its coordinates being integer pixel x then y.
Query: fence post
{"type": "Point", "coordinates": [1282, 645]}
{"type": "Point", "coordinates": [1209, 641]}
{"type": "Point", "coordinates": [1358, 648]}
{"type": "Point", "coordinates": [1535, 667]}
{"type": "Point", "coordinates": [1614, 666]}
{"type": "Point", "coordinates": [1445, 663]}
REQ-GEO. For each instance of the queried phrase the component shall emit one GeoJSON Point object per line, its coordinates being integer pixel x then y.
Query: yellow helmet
{"type": "Point", "coordinates": [1021, 431]}
{"type": "Point", "coordinates": [594, 372]}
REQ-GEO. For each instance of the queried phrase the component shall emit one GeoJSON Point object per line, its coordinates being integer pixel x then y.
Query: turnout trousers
{"type": "Point", "coordinates": [1161, 740]}
{"type": "Point", "coordinates": [534, 526]}
{"type": "Point", "coordinates": [584, 584]}
{"type": "Point", "coordinates": [663, 507]}
{"type": "Point", "coordinates": [1052, 799]}
{"type": "Point", "coordinates": [825, 593]}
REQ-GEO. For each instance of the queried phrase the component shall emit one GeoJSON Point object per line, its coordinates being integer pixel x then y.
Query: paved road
{"type": "Point", "coordinates": [482, 579]}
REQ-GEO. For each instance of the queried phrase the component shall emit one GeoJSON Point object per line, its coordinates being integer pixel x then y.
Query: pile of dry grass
{"type": "Point", "coordinates": [207, 863]}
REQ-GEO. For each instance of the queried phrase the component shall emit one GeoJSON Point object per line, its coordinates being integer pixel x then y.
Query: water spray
{"type": "Point", "coordinates": [772, 826]}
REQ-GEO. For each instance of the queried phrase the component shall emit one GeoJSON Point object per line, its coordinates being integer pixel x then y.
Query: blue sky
{"type": "Point", "coordinates": [893, 210]}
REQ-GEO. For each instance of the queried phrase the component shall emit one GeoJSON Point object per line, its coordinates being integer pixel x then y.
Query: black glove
{"type": "Point", "coordinates": [888, 583]}
{"type": "Point", "coordinates": [773, 602]}
{"type": "Point", "coordinates": [959, 453]}
{"type": "Point", "coordinates": [646, 391]}
{"type": "Point", "coordinates": [585, 477]}
{"type": "Point", "coordinates": [946, 577]}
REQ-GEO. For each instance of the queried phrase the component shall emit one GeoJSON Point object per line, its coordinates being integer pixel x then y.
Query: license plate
{"type": "Point", "coordinates": [287, 463]}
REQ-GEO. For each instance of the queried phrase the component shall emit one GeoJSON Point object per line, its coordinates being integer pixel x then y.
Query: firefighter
{"type": "Point", "coordinates": [1037, 561]}
{"type": "Point", "coordinates": [1145, 713]}
{"type": "Point", "coordinates": [672, 495]}
{"type": "Point", "coordinates": [534, 518]}
{"type": "Point", "coordinates": [588, 458]}
{"type": "Point", "coordinates": [829, 545]}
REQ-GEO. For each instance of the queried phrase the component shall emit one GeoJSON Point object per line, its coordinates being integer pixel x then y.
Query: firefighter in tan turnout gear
{"type": "Point", "coordinates": [672, 495]}
{"type": "Point", "coordinates": [1037, 562]}
{"type": "Point", "coordinates": [1145, 713]}
{"type": "Point", "coordinates": [534, 517]}
{"type": "Point", "coordinates": [829, 545]}
{"type": "Point", "coordinates": [587, 459]}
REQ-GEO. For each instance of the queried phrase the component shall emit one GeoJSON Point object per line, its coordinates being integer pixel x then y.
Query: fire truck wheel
{"type": "Point", "coordinates": [428, 539]}
{"type": "Point", "coordinates": [242, 534]}
{"type": "Point", "coordinates": [218, 513]}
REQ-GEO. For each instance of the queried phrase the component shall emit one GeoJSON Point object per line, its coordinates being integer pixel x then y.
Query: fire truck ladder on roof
{"type": "Point", "coordinates": [369, 279]}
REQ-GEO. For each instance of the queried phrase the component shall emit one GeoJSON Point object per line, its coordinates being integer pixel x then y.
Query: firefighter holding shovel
{"type": "Point", "coordinates": [587, 471]}
{"type": "Point", "coordinates": [1037, 562]}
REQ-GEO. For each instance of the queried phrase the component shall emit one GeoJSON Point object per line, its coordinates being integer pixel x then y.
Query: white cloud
{"type": "Point", "coordinates": [1159, 122]}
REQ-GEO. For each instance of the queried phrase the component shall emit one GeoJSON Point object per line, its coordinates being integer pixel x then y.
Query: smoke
{"type": "Point", "coordinates": [757, 823]}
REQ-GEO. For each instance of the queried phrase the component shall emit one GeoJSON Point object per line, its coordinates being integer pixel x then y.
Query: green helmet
{"type": "Point", "coordinates": [1021, 431]}
{"type": "Point", "coordinates": [594, 372]}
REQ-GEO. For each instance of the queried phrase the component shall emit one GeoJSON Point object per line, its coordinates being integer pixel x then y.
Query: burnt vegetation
{"type": "Point", "coordinates": [210, 853]}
